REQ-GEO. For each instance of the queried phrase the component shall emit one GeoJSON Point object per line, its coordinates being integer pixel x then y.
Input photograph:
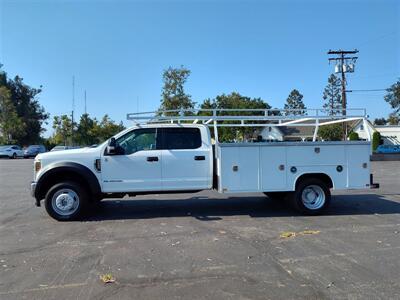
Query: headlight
{"type": "Point", "coordinates": [38, 165]}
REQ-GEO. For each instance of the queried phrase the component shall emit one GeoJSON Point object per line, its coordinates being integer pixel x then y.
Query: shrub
{"type": "Point", "coordinates": [376, 137]}
{"type": "Point", "coordinates": [353, 136]}
{"type": "Point", "coordinates": [331, 132]}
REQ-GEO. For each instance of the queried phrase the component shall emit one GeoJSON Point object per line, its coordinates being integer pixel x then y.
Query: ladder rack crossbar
{"type": "Point", "coordinates": [252, 117]}
{"type": "Point", "coordinates": [285, 116]}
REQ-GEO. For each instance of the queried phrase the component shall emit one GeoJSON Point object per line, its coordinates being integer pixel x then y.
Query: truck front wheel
{"type": "Point", "coordinates": [312, 196]}
{"type": "Point", "coordinates": [66, 201]}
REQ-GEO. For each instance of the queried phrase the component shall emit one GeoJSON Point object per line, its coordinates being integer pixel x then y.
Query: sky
{"type": "Point", "coordinates": [117, 50]}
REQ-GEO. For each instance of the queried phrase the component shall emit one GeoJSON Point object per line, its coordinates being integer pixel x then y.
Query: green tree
{"type": "Point", "coordinates": [332, 132]}
{"type": "Point", "coordinates": [393, 119]}
{"type": "Point", "coordinates": [11, 126]}
{"type": "Point", "coordinates": [85, 134]}
{"type": "Point", "coordinates": [332, 95]}
{"type": "Point", "coordinates": [235, 101]}
{"type": "Point", "coordinates": [106, 128]}
{"type": "Point", "coordinates": [173, 93]}
{"type": "Point", "coordinates": [393, 97]}
{"type": "Point", "coordinates": [28, 108]}
{"type": "Point", "coordinates": [295, 101]}
{"type": "Point", "coordinates": [380, 121]}
{"type": "Point", "coordinates": [63, 130]}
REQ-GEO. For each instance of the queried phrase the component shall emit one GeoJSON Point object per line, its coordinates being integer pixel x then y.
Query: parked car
{"type": "Point", "coordinates": [388, 149]}
{"type": "Point", "coordinates": [34, 150]}
{"type": "Point", "coordinates": [60, 148]}
{"type": "Point", "coordinates": [11, 151]}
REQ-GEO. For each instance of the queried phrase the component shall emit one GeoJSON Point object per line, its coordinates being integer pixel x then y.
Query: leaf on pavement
{"type": "Point", "coordinates": [107, 278]}
{"type": "Point", "coordinates": [287, 234]}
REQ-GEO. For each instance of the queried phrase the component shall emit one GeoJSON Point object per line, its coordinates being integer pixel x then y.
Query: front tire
{"type": "Point", "coordinates": [14, 156]}
{"type": "Point", "coordinates": [66, 201]}
{"type": "Point", "coordinates": [312, 196]}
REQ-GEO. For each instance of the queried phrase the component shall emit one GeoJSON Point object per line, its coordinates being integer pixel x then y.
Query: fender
{"type": "Point", "coordinates": [323, 176]}
{"type": "Point", "coordinates": [51, 172]}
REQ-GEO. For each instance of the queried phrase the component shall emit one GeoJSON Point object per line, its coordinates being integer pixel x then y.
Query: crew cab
{"type": "Point", "coordinates": [173, 158]}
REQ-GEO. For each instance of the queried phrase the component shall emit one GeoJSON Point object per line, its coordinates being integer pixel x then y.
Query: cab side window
{"type": "Point", "coordinates": [137, 140]}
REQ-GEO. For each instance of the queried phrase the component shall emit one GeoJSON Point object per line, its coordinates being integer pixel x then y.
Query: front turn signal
{"type": "Point", "coordinates": [38, 165]}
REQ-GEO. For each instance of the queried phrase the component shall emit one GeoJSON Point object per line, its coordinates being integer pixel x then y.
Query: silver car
{"type": "Point", "coordinates": [11, 151]}
{"type": "Point", "coordinates": [34, 150]}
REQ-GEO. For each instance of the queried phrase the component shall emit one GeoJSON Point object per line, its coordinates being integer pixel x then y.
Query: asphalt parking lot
{"type": "Point", "coordinates": [201, 246]}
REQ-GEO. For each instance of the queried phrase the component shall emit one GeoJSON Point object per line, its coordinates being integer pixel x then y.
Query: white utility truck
{"type": "Point", "coordinates": [174, 152]}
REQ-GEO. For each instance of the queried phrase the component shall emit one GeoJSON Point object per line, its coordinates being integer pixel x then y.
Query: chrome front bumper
{"type": "Point", "coordinates": [33, 190]}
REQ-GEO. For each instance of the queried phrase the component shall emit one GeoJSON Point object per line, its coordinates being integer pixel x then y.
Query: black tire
{"type": "Point", "coordinates": [319, 200]}
{"type": "Point", "coordinates": [75, 193]}
{"type": "Point", "coordinates": [14, 156]}
{"type": "Point", "coordinates": [277, 196]}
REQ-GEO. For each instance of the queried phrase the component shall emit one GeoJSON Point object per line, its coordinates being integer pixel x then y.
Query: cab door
{"type": "Point", "coordinates": [136, 166]}
{"type": "Point", "coordinates": [185, 160]}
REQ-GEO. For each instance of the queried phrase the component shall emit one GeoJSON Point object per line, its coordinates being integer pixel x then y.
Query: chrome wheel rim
{"type": "Point", "coordinates": [65, 202]}
{"type": "Point", "coordinates": [313, 197]}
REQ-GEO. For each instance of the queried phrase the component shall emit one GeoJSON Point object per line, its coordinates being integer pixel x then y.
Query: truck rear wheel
{"type": "Point", "coordinates": [66, 201]}
{"type": "Point", "coordinates": [312, 196]}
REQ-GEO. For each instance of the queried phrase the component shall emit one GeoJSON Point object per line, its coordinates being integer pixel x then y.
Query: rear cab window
{"type": "Point", "coordinates": [176, 138]}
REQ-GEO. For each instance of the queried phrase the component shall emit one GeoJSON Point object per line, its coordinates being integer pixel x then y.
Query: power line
{"type": "Point", "coordinates": [377, 38]}
{"type": "Point", "coordinates": [372, 90]}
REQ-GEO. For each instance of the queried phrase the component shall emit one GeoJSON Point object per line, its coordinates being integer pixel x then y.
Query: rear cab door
{"type": "Point", "coordinates": [186, 158]}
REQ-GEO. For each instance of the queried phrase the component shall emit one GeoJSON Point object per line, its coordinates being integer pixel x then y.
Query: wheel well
{"type": "Point", "coordinates": [61, 176]}
{"type": "Point", "coordinates": [321, 176]}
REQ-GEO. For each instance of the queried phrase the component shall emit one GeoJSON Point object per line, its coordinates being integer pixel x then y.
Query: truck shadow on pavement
{"type": "Point", "coordinates": [210, 209]}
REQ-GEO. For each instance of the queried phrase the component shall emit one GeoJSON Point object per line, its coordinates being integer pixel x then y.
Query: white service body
{"type": "Point", "coordinates": [267, 167]}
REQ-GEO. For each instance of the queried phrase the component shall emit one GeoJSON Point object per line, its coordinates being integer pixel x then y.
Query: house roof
{"type": "Point", "coordinates": [308, 131]}
{"type": "Point", "coordinates": [297, 131]}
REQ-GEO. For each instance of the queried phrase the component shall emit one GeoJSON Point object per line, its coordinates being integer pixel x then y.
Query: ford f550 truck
{"type": "Point", "coordinates": [171, 155]}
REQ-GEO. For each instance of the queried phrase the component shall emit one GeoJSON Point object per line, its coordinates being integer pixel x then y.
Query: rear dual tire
{"type": "Point", "coordinates": [311, 197]}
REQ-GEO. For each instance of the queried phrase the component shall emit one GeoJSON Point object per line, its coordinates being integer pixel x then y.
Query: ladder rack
{"type": "Point", "coordinates": [253, 117]}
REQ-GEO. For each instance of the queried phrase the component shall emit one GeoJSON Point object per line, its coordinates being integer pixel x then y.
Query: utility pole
{"type": "Point", "coordinates": [343, 67]}
{"type": "Point", "coordinates": [85, 103]}
{"type": "Point", "coordinates": [73, 108]}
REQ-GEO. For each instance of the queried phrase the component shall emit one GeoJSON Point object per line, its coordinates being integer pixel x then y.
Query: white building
{"type": "Point", "coordinates": [287, 133]}
{"type": "Point", "coordinates": [363, 132]}
{"type": "Point", "coordinates": [390, 134]}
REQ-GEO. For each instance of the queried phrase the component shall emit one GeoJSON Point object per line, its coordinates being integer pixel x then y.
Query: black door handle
{"type": "Point", "coordinates": [152, 158]}
{"type": "Point", "coordinates": [200, 157]}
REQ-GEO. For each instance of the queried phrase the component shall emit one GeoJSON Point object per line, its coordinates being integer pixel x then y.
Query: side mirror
{"type": "Point", "coordinates": [111, 146]}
